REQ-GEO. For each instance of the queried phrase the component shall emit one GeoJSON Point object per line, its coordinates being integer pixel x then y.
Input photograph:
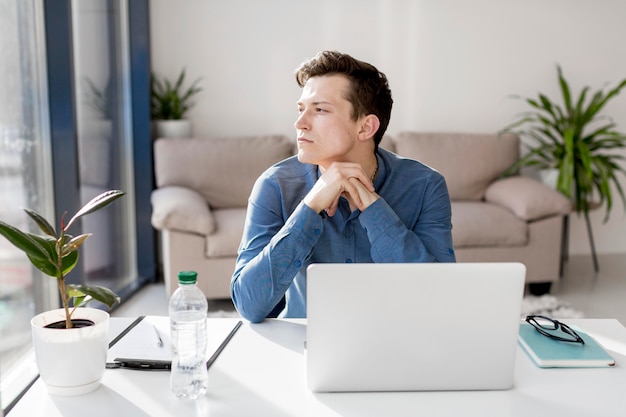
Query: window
{"type": "Point", "coordinates": [24, 182]}
{"type": "Point", "coordinates": [55, 157]}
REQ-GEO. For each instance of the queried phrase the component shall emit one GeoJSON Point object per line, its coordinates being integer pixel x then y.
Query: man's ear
{"type": "Point", "coordinates": [369, 127]}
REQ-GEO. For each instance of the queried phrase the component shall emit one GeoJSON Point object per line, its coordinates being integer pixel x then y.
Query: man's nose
{"type": "Point", "coordinates": [302, 122]}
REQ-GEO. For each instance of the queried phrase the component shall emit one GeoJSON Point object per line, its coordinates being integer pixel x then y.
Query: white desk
{"type": "Point", "coordinates": [262, 373]}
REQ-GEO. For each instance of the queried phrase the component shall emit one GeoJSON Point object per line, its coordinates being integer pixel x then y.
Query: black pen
{"type": "Point", "coordinates": [158, 336]}
{"type": "Point", "coordinates": [223, 345]}
{"type": "Point", "coordinates": [140, 364]}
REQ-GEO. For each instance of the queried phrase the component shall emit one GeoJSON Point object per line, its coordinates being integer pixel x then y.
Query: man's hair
{"type": "Point", "coordinates": [369, 90]}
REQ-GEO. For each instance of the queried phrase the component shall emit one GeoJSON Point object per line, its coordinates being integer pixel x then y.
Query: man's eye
{"type": "Point", "coordinates": [320, 110]}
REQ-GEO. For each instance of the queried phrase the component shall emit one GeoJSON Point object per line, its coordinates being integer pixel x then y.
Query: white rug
{"type": "Point", "coordinates": [549, 305]}
{"type": "Point", "coordinates": [222, 314]}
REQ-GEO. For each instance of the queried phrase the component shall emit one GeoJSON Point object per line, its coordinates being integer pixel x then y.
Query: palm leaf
{"type": "Point", "coordinates": [573, 138]}
{"type": "Point", "coordinates": [567, 99]}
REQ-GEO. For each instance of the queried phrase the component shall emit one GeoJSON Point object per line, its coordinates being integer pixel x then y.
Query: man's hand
{"type": "Point", "coordinates": [341, 179]}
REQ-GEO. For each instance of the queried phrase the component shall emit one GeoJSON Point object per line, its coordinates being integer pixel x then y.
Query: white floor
{"type": "Point", "coordinates": [601, 295]}
{"type": "Point", "coordinates": [151, 300]}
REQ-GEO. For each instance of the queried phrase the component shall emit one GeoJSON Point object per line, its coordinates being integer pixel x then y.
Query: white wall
{"type": "Point", "coordinates": [452, 64]}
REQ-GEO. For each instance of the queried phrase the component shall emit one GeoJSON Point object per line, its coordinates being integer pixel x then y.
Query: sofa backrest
{"type": "Point", "coordinates": [468, 161]}
{"type": "Point", "coordinates": [222, 170]}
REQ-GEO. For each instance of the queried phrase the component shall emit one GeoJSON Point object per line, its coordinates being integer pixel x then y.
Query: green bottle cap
{"type": "Point", "coordinates": [187, 277]}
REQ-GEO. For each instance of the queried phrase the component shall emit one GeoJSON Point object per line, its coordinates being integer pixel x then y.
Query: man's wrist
{"type": "Point", "coordinates": [369, 200]}
{"type": "Point", "coordinates": [307, 202]}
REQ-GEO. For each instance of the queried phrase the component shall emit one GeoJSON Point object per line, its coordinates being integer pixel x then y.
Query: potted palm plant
{"type": "Point", "coordinates": [576, 141]}
{"type": "Point", "coordinates": [71, 342]}
{"type": "Point", "coordinates": [169, 103]}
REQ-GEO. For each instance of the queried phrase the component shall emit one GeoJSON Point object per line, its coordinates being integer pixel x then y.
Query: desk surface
{"type": "Point", "coordinates": [262, 373]}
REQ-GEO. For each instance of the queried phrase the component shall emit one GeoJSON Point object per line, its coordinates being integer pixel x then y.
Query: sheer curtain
{"type": "Point", "coordinates": [25, 172]}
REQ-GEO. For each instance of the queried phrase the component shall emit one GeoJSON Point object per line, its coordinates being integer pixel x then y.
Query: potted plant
{"type": "Point", "coordinates": [576, 141]}
{"type": "Point", "coordinates": [169, 103]}
{"type": "Point", "coordinates": [100, 100]}
{"type": "Point", "coordinates": [71, 342]}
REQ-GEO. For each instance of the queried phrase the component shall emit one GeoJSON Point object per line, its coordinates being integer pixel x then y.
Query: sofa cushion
{"type": "Point", "coordinates": [182, 209]}
{"type": "Point", "coordinates": [469, 162]}
{"type": "Point", "coordinates": [529, 199]}
{"type": "Point", "coordinates": [484, 224]}
{"type": "Point", "coordinates": [225, 241]}
{"type": "Point", "coordinates": [223, 171]}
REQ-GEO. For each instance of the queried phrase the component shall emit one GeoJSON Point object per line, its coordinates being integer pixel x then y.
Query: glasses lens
{"type": "Point", "coordinates": [554, 329]}
{"type": "Point", "coordinates": [570, 333]}
{"type": "Point", "coordinates": [544, 322]}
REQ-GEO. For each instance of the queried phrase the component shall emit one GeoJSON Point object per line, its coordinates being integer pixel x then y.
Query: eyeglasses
{"type": "Point", "coordinates": [547, 326]}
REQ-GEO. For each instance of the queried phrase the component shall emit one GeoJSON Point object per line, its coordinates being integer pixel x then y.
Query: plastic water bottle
{"type": "Point", "coordinates": [188, 312]}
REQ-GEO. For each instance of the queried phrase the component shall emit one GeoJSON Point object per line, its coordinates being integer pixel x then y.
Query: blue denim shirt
{"type": "Point", "coordinates": [411, 222]}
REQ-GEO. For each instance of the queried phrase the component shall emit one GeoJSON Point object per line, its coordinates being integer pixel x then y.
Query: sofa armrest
{"type": "Point", "coordinates": [527, 198]}
{"type": "Point", "coordinates": [181, 209]}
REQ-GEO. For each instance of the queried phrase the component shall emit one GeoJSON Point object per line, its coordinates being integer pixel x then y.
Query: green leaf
{"type": "Point", "coordinates": [101, 294]}
{"type": "Point", "coordinates": [79, 300]}
{"type": "Point", "coordinates": [23, 241]}
{"type": "Point", "coordinates": [567, 99]}
{"type": "Point", "coordinates": [170, 101]}
{"type": "Point", "coordinates": [74, 244]}
{"type": "Point", "coordinates": [96, 203]}
{"type": "Point", "coordinates": [49, 265]}
{"type": "Point", "coordinates": [575, 139]}
{"type": "Point", "coordinates": [42, 223]}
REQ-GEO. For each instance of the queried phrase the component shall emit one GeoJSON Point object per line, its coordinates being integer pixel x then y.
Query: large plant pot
{"type": "Point", "coordinates": [549, 177]}
{"type": "Point", "coordinates": [172, 129]}
{"type": "Point", "coordinates": [71, 361]}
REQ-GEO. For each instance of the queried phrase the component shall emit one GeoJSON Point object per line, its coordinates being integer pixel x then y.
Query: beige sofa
{"type": "Point", "coordinates": [203, 186]}
{"type": "Point", "coordinates": [493, 219]}
{"type": "Point", "coordinates": [200, 203]}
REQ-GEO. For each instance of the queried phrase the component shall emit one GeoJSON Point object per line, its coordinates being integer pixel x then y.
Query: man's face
{"type": "Point", "coordinates": [325, 130]}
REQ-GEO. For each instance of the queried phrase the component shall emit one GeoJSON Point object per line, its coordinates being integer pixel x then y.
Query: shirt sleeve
{"type": "Point", "coordinates": [272, 251]}
{"type": "Point", "coordinates": [429, 239]}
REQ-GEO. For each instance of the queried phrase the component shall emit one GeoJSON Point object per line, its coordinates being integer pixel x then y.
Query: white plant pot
{"type": "Point", "coordinates": [71, 361]}
{"type": "Point", "coordinates": [549, 177]}
{"type": "Point", "coordinates": [172, 128]}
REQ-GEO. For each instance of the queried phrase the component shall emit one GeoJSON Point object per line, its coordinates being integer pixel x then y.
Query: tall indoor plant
{"type": "Point", "coordinates": [575, 140]}
{"type": "Point", "coordinates": [70, 343]}
{"type": "Point", "coordinates": [169, 103]}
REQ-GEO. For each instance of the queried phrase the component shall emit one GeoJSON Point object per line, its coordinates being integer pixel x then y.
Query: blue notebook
{"type": "Point", "coordinates": [550, 353]}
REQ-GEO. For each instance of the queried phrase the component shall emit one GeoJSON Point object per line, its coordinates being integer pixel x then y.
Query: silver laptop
{"type": "Point", "coordinates": [412, 327]}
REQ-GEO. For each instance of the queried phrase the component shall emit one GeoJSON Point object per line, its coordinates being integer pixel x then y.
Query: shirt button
{"type": "Point", "coordinates": [298, 264]}
{"type": "Point", "coordinates": [318, 231]}
{"type": "Point", "coordinates": [348, 261]}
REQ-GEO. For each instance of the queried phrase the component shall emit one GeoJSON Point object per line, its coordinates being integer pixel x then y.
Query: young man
{"type": "Point", "coordinates": [341, 199]}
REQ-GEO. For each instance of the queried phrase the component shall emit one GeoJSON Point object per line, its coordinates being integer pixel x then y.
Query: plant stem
{"type": "Point", "coordinates": [64, 301]}
{"type": "Point", "coordinates": [61, 281]}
